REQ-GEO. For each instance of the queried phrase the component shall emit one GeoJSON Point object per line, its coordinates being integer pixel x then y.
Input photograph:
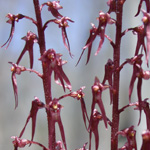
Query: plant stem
{"type": "Point", "coordinates": [116, 77]}
{"type": "Point", "coordinates": [46, 76]}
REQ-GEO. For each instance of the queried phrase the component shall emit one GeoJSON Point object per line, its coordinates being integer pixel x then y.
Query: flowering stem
{"type": "Point", "coordinates": [46, 77]}
{"type": "Point", "coordinates": [116, 77]}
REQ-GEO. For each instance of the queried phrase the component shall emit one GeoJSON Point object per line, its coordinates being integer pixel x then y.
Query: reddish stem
{"type": "Point", "coordinates": [116, 77]}
{"type": "Point", "coordinates": [46, 76]}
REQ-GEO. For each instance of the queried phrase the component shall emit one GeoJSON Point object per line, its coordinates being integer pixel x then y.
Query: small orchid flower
{"type": "Point", "coordinates": [145, 107]}
{"type": "Point", "coordinates": [140, 40]}
{"type": "Point", "coordinates": [53, 7]}
{"type": "Point", "coordinates": [16, 70]}
{"type": "Point", "coordinates": [93, 127]}
{"type": "Point", "coordinates": [20, 143]}
{"type": "Point", "coordinates": [104, 19]}
{"type": "Point", "coordinates": [36, 105]}
{"type": "Point", "coordinates": [140, 5]}
{"type": "Point", "coordinates": [109, 69]}
{"type": "Point", "coordinates": [79, 96]}
{"type": "Point", "coordinates": [130, 134]}
{"type": "Point", "coordinates": [30, 39]}
{"type": "Point", "coordinates": [97, 90]}
{"type": "Point", "coordinates": [54, 109]}
{"type": "Point", "coordinates": [12, 19]}
{"type": "Point", "coordinates": [136, 62]}
{"type": "Point", "coordinates": [146, 140]}
{"type": "Point", "coordinates": [53, 61]}
{"type": "Point", "coordinates": [63, 24]}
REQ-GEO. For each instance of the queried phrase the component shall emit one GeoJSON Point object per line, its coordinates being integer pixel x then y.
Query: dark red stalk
{"type": "Point", "coordinates": [46, 76]}
{"type": "Point", "coordinates": [116, 77]}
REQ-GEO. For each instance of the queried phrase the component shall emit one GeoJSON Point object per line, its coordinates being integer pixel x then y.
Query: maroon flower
{"type": "Point", "coordinates": [97, 90]}
{"type": "Point", "coordinates": [145, 107]}
{"type": "Point", "coordinates": [79, 96]}
{"type": "Point", "coordinates": [30, 39]}
{"type": "Point", "coordinates": [12, 19]}
{"type": "Point", "coordinates": [36, 105]}
{"type": "Point", "coordinates": [53, 61]}
{"type": "Point", "coordinates": [54, 109]}
{"type": "Point", "coordinates": [16, 70]}
{"type": "Point", "coordinates": [63, 24]}
{"type": "Point", "coordinates": [53, 7]}
{"type": "Point", "coordinates": [146, 140]}
{"type": "Point", "coordinates": [93, 127]}
{"type": "Point", "coordinates": [130, 134]}
{"type": "Point", "coordinates": [20, 143]}
{"type": "Point", "coordinates": [140, 40]}
{"type": "Point", "coordinates": [109, 69]}
{"type": "Point", "coordinates": [104, 19]}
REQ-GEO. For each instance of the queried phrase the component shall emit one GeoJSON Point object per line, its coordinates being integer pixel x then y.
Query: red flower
{"type": "Point", "coordinates": [12, 19]}
{"type": "Point", "coordinates": [104, 19]}
{"type": "Point", "coordinates": [130, 134]}
{"type": "Point", "coordinates": [36, 105]}
{"type": "Point", "coordinates": [54, 109]}
{"type": "Point", "coordinates": [97, 90]}
{"type": "Point", "coordinates": [93, 127]}
{"type": "Point", "coordinates": [30, 39]}
{"type": "Point", "coordinates": [109, 69]}
{"type": "Point", "coordinates": [63, 24]}
{"type": "Point", "coordinates": [53, 7]}
{"type": "Point", "coordinates": [79, 96]}
{"type": "Point", "coordinates": [53, 61]}
{"type": "Point", "coordinates": [16, 70]}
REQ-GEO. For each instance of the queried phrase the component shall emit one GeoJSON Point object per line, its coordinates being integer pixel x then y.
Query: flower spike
{"type": "Point", "coordinates": [30, 39]}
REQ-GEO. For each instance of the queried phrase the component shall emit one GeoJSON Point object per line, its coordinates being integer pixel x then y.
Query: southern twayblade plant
{"type": "Point", "coordinates": [52, 63]}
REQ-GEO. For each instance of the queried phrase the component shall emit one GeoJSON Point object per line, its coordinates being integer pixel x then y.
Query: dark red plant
{"type": "Point", "coordinates": [52, 64]}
